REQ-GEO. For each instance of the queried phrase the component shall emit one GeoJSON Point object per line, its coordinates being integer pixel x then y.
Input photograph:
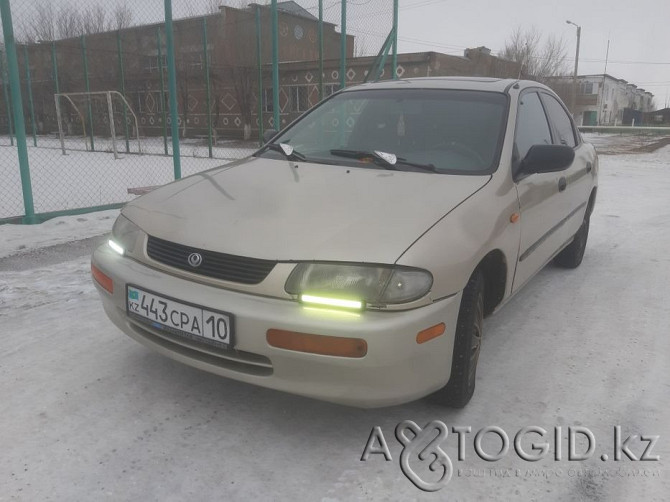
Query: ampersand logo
{"type": "Point", "coordinates": [424, 445]}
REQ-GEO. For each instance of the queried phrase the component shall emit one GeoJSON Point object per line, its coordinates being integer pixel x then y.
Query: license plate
{"type": "Point", "coordinates": [180, 318]}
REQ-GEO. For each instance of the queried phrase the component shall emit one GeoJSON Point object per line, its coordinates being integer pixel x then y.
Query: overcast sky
{"type": "Point", "coordinates": [637, 29]}
{"type": "Point", "coordinates": [639, 32]}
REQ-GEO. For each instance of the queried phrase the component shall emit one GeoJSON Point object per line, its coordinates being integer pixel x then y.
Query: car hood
{"type": "Point", "coordinates": [280, 210]}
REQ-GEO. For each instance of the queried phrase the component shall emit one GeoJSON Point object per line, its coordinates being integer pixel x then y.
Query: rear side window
{"type": "Point", "coordinates": [532, 127]}
{"type": "Point", "coordinates": [561, 120]}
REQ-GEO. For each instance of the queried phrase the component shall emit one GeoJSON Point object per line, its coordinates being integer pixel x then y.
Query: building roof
{"type": "Point", "coordinates": [291, 7]}
{"type": "Point", "coordinates": [600, 76]}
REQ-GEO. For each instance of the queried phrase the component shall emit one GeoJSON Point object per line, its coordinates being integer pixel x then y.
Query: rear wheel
{"type": "Point", "coordinates": [467, 344]}
{"type": "Point", "coordinates": [572, 255]}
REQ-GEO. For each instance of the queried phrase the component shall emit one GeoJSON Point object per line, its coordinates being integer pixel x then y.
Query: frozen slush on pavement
{"type": "Point", "coordinates": [354, 257]}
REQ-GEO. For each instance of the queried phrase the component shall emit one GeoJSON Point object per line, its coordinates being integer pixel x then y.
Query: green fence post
{"type": "Point", "coordinates": [260, 75]}
{"type": "Point", "coordinates": [10, 122]}
{"type": "Point", "coordinates": [394, 65]}
{"type": "Point", "coordinates": [54, 67]}
{"type": "Point", "coordinates": [172, 88]}
{"type": "Point", "coordinates": [275, 66]}
{"type": "Point", "coordinates": [31, 104]}
{"type": "Point", "coordinates": [320, 38]}
{"type": "Point", "coordinates": [160, 76]}
{"type": "Point", "coordinates": [15, 86]}
{"type": "Point", "coordinates": [207, 87]}
{"type": "Point", "coordinates": [123, 88]}
{"type": "Point", "coordinates": [385, 52]}
{"type": "Point", "coordinates": [343, 46]}
{"type": "Point", "coordinates": [88, 89]}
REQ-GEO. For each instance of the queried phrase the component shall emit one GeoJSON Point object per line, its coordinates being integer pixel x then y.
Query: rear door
{"type": "Point", "coordinates": [576, 178]}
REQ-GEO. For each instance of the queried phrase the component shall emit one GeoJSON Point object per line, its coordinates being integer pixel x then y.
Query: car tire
{"type": "Point", "coordinates": [467, 344]}
{"type": "Point", "coordinates": [572, 255]}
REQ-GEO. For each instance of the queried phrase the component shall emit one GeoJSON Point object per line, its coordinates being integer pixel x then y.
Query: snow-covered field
{"type": "Point", "coordinates": [85, 179]}
{"type": "Point", "coordinates": [615, 143]}
{"type": "Point", "coordinates": [88, 414]}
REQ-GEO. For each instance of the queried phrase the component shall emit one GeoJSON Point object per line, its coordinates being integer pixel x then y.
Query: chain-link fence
{"type": "Point", "coordinates": [95, 85]}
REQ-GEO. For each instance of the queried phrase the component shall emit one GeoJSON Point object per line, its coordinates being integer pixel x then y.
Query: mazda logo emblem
{"type": "Point", "coordinates": [195, 259]}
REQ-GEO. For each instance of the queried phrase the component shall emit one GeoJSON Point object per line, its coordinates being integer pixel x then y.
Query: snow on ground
{"type": "Point", "coordinates": [189, 147]}
{"type": "Point", "coordinates": [85, 179]}
{"type": "Point", "coordinates": [89, 414]}
{"type": "Point", "coordinates": [615, 143]}
{"type": "Point", "coordinates": [23, 238]}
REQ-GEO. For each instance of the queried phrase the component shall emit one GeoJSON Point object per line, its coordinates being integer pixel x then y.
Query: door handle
{"type": "Point", "coordinates": [562, 183]}
{"type": "Point", "coordinates": [589, 166]}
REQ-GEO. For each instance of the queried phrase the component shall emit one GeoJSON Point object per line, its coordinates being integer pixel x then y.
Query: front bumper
{"type": "Point", "coordinates": [395, 369]}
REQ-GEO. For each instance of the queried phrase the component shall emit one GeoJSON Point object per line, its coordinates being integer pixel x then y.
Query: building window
{"type": "Point", "coordinates": [196, 60]}
{"type": "Point", "coordinates": [268, 100]}
{"type": "Point", "coordinates": [151, 63]}
{"type": "Point", "coordinates": [299, 101]}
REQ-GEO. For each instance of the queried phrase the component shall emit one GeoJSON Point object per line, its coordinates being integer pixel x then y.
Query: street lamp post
{"type": "Point", "coordinates": [574, 77]}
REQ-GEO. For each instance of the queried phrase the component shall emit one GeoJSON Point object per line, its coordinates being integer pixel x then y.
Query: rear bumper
{"type": "Point", "coordinates": [395, 369]}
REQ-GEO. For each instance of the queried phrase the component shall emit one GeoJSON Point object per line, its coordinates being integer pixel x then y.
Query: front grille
{"type": "Point", "coordinates": [216, 265]}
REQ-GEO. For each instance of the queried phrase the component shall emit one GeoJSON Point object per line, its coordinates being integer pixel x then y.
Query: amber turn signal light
{"type": "Point", "coordinates": [430, 333]}
{"type": "Point", "coordinates": [317, 344]}
{"type": "Point", "coordinates": [102, 279]}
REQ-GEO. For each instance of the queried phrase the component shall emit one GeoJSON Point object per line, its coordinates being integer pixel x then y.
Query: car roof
{"type": "Point", "coordinates": [461, 83]}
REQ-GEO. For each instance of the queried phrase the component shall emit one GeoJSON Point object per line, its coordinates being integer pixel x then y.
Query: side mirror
{"type": "Point", "coordinates": [269, 134]}
{"type": "Point", "coordinates": [547, 159]}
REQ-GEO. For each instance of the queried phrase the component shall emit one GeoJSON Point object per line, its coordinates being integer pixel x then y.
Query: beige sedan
{"type": "Point", "coordinates": [353, 257]}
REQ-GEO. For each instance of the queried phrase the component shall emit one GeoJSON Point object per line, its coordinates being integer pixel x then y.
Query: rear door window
{"type": "Point", "coordinates": [561, 121]}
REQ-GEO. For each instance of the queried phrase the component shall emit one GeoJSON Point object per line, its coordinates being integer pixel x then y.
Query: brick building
{"type": "Point", "coordinates": [299, 80]}
{"type": "Point", "coordinates": [231, 50]}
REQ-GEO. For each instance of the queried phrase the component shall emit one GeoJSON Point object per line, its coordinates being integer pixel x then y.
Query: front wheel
{"type": "Point", "coordinates": [572, 255]}
{"type": "Point", "coordinates": [467, 344]}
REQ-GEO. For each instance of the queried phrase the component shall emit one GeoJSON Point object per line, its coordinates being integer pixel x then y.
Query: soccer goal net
{"type": "Point", "coordinates": [104, 117]}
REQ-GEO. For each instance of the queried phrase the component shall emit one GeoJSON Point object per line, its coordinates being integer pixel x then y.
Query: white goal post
{"type": "Point", "coordinates": [110, 111]}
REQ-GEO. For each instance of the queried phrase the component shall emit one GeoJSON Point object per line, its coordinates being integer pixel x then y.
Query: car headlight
{"type": "Point", "coordinates": [124, 235]}
{"type": "Point", "coordinates": [354, 286]}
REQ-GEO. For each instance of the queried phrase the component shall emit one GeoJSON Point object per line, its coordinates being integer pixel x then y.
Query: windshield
{"type": "Point", "coordinates": [432, 130]}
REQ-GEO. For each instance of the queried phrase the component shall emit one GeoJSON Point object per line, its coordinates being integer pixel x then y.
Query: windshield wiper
{"type": "Point", "coordinates": [289, 152]}
{"type": "Point", "coordinates": [389, 160]}
{"type": "Point", "coordinates": [425, 167]}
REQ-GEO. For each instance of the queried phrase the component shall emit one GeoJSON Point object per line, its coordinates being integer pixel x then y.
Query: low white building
{"type": "Point", "coordinates": [604, 100]}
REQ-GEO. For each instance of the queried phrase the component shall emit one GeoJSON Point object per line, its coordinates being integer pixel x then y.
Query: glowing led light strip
{"type": "Point", "coordinates": [332, 302]}
{"type": "Point", "coordinates": [115, 247]}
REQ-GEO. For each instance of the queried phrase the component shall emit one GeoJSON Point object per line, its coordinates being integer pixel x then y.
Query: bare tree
{"type": "Point", "coordinates": [68, 22]}
{"type": "Point", "coordinates": [94, 19]}
{"type": "Point", "coordinates": [40, 25]}
{"type": "Point", "coordinates": [47, 23]}
{"type": "Point", "coordinates": [539, 59]}
{"type": "Point", "coordinates": [122, 17]}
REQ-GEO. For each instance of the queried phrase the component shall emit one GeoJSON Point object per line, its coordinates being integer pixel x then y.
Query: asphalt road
{"type": "Point", "coordinates": [88, 414]}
